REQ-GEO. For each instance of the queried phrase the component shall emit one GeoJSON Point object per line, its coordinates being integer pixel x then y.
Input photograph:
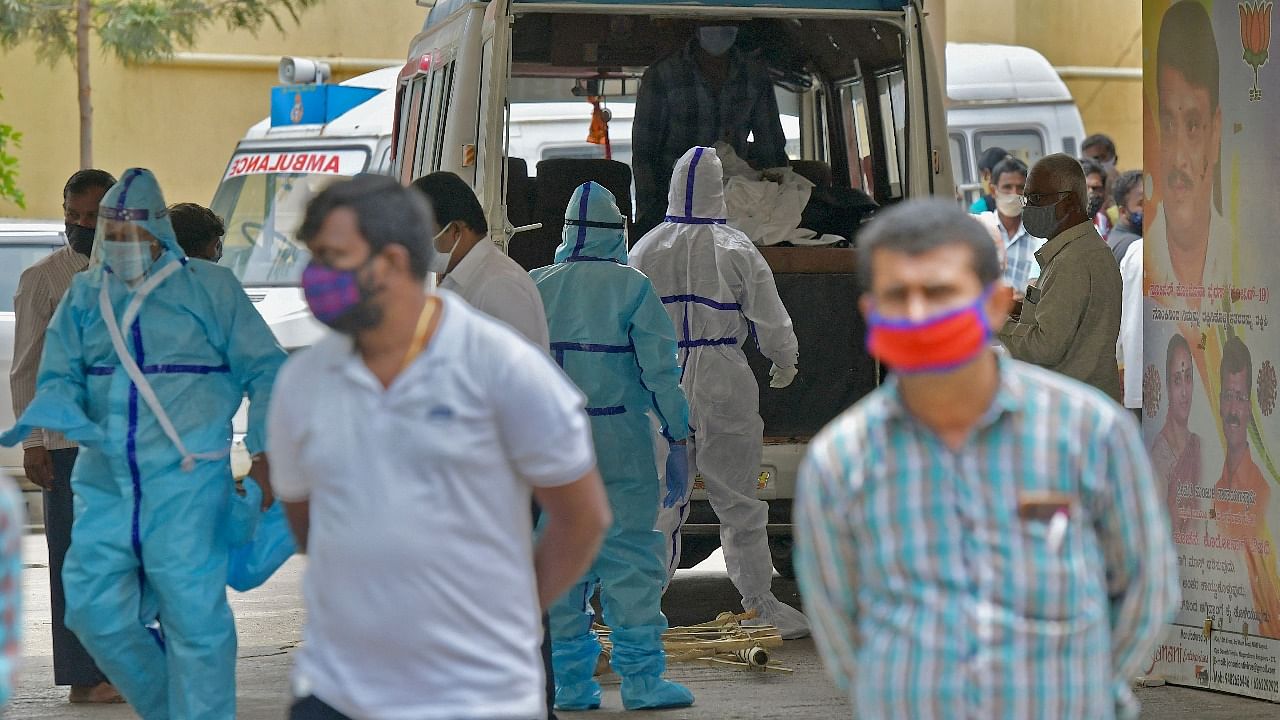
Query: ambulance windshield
{"type": "Point", "coordinates": [262, 199]}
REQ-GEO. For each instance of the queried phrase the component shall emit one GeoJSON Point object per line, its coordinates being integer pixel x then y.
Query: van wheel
{"type": "Point", "coordinates": [780, 549]}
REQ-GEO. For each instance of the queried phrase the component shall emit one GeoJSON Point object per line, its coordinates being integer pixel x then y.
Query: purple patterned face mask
{"type": "Point", "coordinates": [337, 298]}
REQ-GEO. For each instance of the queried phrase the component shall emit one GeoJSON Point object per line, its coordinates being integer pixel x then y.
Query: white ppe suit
{"type": "Point", "coordinates": [718, 290]}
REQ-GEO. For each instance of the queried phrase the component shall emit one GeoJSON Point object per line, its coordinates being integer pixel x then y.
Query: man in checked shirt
{"type": "Point", "coordinates": [708, 91]}
{"type": "Point", "coordinates": [979, 537]}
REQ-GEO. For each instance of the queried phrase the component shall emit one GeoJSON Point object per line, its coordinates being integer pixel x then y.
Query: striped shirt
{"type": "Point", "coordinates": [1021, 266]}
{"type": "Point", "coordinates": [931, 598]}
{"type": "Point", "coordinates": [40, 289]}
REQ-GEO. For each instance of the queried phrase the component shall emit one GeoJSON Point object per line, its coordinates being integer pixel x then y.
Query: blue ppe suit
{"type": "Point", "coordinates": [613, 338]}
{"type": "Point", "coordinates": [151, 532]}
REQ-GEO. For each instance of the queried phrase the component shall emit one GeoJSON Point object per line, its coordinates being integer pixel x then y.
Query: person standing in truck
{"type": "Point", "coordinates": [707, 92]}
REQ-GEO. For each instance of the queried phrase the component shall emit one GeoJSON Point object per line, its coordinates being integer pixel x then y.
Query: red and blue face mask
{"type": "Point", "coordinates": [935, 344]}
{"type": "Point", "coordinates": [338, 299]}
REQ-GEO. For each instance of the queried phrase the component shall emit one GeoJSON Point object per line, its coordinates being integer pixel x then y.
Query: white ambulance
{"type": "Point", "coordinates": [858, 76]}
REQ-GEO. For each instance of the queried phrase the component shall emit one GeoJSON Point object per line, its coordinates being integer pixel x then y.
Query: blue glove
{"type": "Point", "coordinates": [677, 475]}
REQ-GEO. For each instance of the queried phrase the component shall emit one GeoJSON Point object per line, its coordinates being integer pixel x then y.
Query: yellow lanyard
{"type": "Point", "coordinates": [420, 333]}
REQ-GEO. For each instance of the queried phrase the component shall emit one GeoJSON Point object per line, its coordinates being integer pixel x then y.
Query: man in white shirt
{"type": "Point", "coordinates": [473, 267]}
{"type": "Point", "coordinates": [492, 283]}
{"type": "Point", "coordinates": [408, 480]}
{"type": "Point", "coordinates": [1008, 178]}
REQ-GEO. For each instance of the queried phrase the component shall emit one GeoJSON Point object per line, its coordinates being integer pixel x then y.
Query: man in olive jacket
{"type": "Point", "coordinates": [1071, 316]}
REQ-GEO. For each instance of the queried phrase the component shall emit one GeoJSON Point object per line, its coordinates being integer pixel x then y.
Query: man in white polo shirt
{"type": "Point", "coordinates": [408, 479]}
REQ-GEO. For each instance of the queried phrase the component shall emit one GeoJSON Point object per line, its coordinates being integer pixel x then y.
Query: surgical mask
{"type": "Point", "coordinates": [1095, 204]}
{"type": "Point", "coordinates": [1041, 220]}
{"type": "Point", "coordinates": [80, 238]}
{"type": "Point", "coordinates": [717, 40]}
{"type": "Point", "coordinates": [128, 260]}
{"type": "Point", "coordinates": [1135, 222]}
{"type": "Point", "coordinates": [937, 344]}
{"type": "Point", "coordinates": [440, 261]}
{"type": "Point", "coordinates": [338, 299]}
{"type": "Point", "coordinates": [1009, 204]}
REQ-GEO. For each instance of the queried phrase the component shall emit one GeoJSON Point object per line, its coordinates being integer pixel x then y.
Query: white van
{"type": "Point", "coordinates": [857, 76]}
{"type": "Point", "coordinates": [1010, 97]}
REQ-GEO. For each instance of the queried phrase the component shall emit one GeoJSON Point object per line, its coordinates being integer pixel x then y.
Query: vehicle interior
{"type": "Point", "coordinates": [843, 78]}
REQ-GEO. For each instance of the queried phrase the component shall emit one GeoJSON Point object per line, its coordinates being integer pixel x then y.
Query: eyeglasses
{"type": "Point", "coordinates": [1041, 198]}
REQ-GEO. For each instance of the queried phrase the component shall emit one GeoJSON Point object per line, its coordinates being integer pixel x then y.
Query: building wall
{"type": "Point", "coordinates": [180, 121]}
{"type": "Point", "coordinates": [1094, 33]}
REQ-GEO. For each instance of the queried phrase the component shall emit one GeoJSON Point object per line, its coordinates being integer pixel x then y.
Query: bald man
{"type": "Point", "coordinates": [1071, 316]}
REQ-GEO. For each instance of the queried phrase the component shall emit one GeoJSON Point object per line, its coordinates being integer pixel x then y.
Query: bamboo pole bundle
{"type": "Point", "coordinates": [723, 641]}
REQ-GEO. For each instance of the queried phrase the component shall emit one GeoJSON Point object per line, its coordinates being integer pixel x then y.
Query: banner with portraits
{"type": "Point", "coordinates": [1212, 266]}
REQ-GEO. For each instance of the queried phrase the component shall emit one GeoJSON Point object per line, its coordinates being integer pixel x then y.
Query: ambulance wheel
{"type": "Point", "coordinates": [696, 548]}
{"type": "Point", "coordinates": [780, 549]}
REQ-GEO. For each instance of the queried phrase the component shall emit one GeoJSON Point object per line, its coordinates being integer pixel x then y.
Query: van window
{"type": "Point", "coordinates": [443, 94]}
{"type": "Point", "coordinates": [858, 148]}
{"type": "Point", "coordinates": [432, 121]}
{"type": "Point", "coordinates": [1026, 144]}
{"type": "Point", "coordinates": [960, 159]}
{"type": "Point", "coordinates": [892, 89]}
{"type": "Point", "coordinates": [410, 125]}
{"type": "Point", "coordinates": [588, 151]}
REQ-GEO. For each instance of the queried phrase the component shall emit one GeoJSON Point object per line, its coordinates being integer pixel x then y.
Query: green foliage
{"type": "Point", "coordinates": [134, 30]}
{"type": "Point", "coordinates": [9, 166]}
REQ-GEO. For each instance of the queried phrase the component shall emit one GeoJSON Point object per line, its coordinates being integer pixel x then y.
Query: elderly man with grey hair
{"type": "Point", "coordinates": [1071, 316]}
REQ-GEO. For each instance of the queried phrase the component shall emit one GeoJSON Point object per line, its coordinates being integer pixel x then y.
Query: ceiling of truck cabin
{"type": "Point", "coordinates": [578, 45]}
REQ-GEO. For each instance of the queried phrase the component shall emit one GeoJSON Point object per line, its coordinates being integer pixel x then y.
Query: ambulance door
{"type": "Point", "coordinates": [927, 158]}
{"type": "Point", "coordinates": [494, 119]}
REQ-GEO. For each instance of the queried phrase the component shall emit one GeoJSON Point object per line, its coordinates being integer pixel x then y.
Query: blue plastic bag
{"type": "Point", "coordinates": [260, 541]}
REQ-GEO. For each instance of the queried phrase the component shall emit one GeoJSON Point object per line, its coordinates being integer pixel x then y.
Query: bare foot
{"type": "Point", "coordinates": [102, 693]}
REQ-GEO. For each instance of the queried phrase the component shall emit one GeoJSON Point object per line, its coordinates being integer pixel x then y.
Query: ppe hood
{"type": "Point", "coordinates": [697, 189]}
{"type": "Point", "coordinates": [594, 228]}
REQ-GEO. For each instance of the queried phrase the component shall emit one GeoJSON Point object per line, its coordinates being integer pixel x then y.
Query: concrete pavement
{"type": "Point", "coordinates": [270, 619]}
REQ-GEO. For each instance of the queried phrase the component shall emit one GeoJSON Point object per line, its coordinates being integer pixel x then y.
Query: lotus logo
{"type": "Point", "coordinates": [1255, 36]}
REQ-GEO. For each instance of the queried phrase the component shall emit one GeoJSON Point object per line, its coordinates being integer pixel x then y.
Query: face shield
{"type": "Point", "coordinates": [125, 247]}
{"type": "Point", "coordinates": [133, 228]}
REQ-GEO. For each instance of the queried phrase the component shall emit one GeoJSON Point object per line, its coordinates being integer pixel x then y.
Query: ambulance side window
{"type": "Point", "coordinates": [892, 89]}
{"type": "Point", "coordinates": [853, 111]}
{"type": "Point", "coordinates": [435, 110]}
{"type": "Point", "coordinates": [411, 123]}
{"type": "Point", "coordinates": [443, 95]}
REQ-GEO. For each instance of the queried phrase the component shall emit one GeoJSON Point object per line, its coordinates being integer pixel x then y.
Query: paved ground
{"type": "Point", "coordinates": [270, 620]}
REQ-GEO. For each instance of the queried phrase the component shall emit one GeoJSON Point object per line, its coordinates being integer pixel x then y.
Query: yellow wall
{"type": "Point", "coordinates": [1099, 33]}
{"type": "Point", "coordinates": [181, 122]}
